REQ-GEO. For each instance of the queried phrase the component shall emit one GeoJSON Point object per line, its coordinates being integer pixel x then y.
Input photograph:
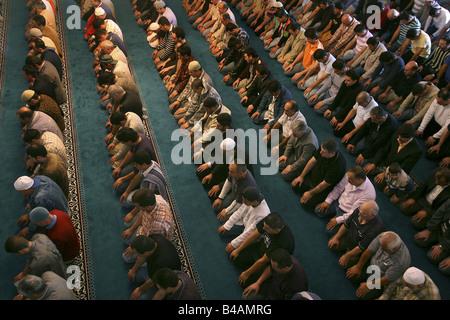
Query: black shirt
{"type": "Point", "coordinates": [332, 170]}
{"type": "Point", "coordinates": [165, 256]}
{"type": "Point", "coordinates": [269, 242]}
{"type": "Point", "coordinates": [361, 235]}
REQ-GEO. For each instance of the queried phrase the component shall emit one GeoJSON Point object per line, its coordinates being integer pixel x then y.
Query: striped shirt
{"type": "Point", "coordinates": [437, 58]}
{"type": "Point", "coordinates": [158, 221]}
{"type": "Point", "coordinates": [362, 42]}
{"type": "Point", "coordinates": [404, 27]}
{"type": "Point", "coordinates": [113, 27]}
{"type": "Point", "coordinates": [344, 34]}
{"type": "Point", "coordinates": [53, 144]}
{"type": "Point", "coordinates": [418, 6]}
{"type": "Point", "coordinates": [167, 43]}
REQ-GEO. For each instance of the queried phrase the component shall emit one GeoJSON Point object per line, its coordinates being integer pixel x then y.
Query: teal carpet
{"type": "Point", "coordinates": [214, 271]}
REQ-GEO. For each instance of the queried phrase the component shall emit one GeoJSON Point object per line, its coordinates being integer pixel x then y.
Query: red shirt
{"type": "Point", "coordinates": [64, 236]}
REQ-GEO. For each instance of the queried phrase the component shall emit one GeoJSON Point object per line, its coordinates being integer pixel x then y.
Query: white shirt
{"type": "Point", "coordinates": [286, 122]}
{"type": "Point", "coordinates": [249, 217]}
{"type": "Point", "coordinates": [363, 113]}
{"type": "Point", "coordinates": [350, 197]}
{"type": "Point", "coordinates": [440, 113]}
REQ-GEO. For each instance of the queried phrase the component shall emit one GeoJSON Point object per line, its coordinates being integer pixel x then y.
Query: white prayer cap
{"type": "Point", "coordinates": [414, 276]}
{"type": "Point", "coordinates": [227, 144]}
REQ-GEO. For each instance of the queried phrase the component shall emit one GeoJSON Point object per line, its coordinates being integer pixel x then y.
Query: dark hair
{"type": "Point", "coordinates": [274, 220]}
{"type": "Point", "coordinates": [233, 42]}
{"type": "Point", "coordinates": [210, 102]}
{"type": "Point", "coordinates": [352, 74]}
{"type": "Point", "coordinates": [142, 157]}
{"type": "Point", "coordinates": [406, 130]}
{"type": "Point", "coordinates": [339, 64]}
{"type": "Point", "coordinates": [358, 171]}
{"type": "Point", "coordinates": [373, 41]}
{"type": "Point", "coordinates": [39, 43]}
{"type": "Point", "coordinates": [282, 257]}
{"type": "Point", "coordinates": [224, 119]}
{"type": "Point", "coordinates": [311, 33]}
{"type": "Point", "coordinates": [359, 28]}
{"type": "Point", "coordinates": [30, 70]}
{"type": "Point", "coordinates": [231, 26]}
{"type": "Point", "coordinates": [262, 68]}
{"type": "Point", "coordinates": [319, 54]}
{"type": "Point", "coordinates": [378, 112]}
{"type": "Point", "coordinates": [106, 77]}
{"type": "Point", "coordinates": [143, 244]}
{"type": "Point", "coordinates": [117, 117]}
{"type": "Point", "coordinates": [418, 88]}
{"type": "Point", "coordinates": [179, 32]}
{"type": "Point", "coordinates": [15, 243]}
{"type": "Point", "coordinates": [144, 197]}
{"type": "Point", "coordinates": [164, 21]}
{"type": "Point", "coordinates": [434, 11]}
{"type": "Point", "coordinates": [330, 145]}
{"type": "Point", "coordinates": [184, 50]}
{"type": "Point", "coordinates": [39, 20]}
{"type": "Point", "coordinates": [386, 56]}
{"type": "Point", "coordinates": [443, 173]}
{"type": "Point", "coordinates": [34, 60]}
{"type": "Point", "coordinates": [126, 134]}
{"type": "Point", "coordinates": [97, 23]}
{"type": "Point", "coordinates": [406, 15]}
{"type": "Point", "coordinates": [412, 33]}
{"type": "Point", "coordinates": [294, 26]}
{"type": "Point", "coordinates": [339, 5]}
{"type": "Point", "coordinates": [36, 150]}
{"type": "Point", "coordinates": [31, 134]}
{"type": "Point", "coordinates": [395, 168]}
{"type": "Point", "coordinates": [273, 86]}
{"type": "Point", "coordinates": [197, 83]}
{"type": "Point", "coordinates": [251, 52]}
{"type": "Point", "coordinates": [443, 94]}
{"type": "Point", "coordinates": [165, 278]}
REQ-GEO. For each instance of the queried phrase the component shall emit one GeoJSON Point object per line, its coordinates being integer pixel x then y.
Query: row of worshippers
{"type": "Point", "coordinates": [155, 265]}
{"type": "Point", "coordinates": [47, 235]}
{"type": "Point", "coordinates": [317, 191]}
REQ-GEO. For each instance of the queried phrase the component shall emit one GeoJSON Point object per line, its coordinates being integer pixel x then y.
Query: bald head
{"type": "Point", "coordinates": [390, 242]}
{"type": "Point", "coordinates": [392, 14]}
{"type": "Point", "coordinates": [363, 98]}
{"type": "Point", "coordinates": [370, 209]}
{"type": "Point", "coordinates": [346, 19]}
{"type": "Point", "coordinates": [411, 68]}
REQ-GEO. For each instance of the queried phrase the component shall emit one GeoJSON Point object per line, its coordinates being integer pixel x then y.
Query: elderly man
{"type": "Point", "coordinates": [356, 233]}
{"type": "Point", "coordinates": [343, 35]}
{"type": "Point", "coordinates": [291, 114]}
{"type": "Point", "coordinates": [413, 285]}
{"type": "Point", "coordinates": [185, 97]}
{"type": "Point", "coordinates": [356, 117]}
{"type": "Point", "coordinates": [194, 111]}
{"type": "Point", "coordinates": [230, 197]}
{"type": "Point", "coordinates": [400, 87]}
{"type": "Point", "coordinates": [49, 286]}
{"type": "Point", "coordinates": [43, 103]}
{"type": "Point", "coordinates": [320, 175]}
{"type": "Point", "coordinates": [300, 147]}
{"type": "Point", "coordinates": [124, 101]}
{"type": "Point", "coordinates": [353, 190]}
{"type": "Point", "coordinates": [40, 191]}
{"type": "Point", "coordinates": [38, 120]}
{"type": "Point", "coordinates": [108, 47]}
{"type": "Point", "coordinates": [389, 255]}
{"type": "Point", "coordinates": [243, 221]}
